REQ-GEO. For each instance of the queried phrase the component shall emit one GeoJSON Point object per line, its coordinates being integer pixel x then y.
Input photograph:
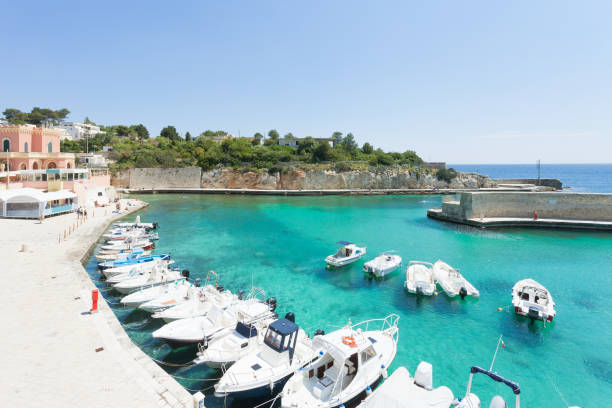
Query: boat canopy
{"type": "Point", "coordinates": [333, 343]}
{"type": "Point", "coordinates": [344, 243]}
{"type": "Point", "coordinates": [246, 330]}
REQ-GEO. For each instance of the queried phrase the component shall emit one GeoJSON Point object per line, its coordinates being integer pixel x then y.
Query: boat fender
{"type": "Point", "coordinates": [241, 294]}
{"type": "Point", "coordinates": [319, 332]}
{"type": "Point", "coordinates": [463, 292]}
{"type": "Point", "coordinates": [290, 316]}
{"type": "Point", "coordinates": [368, 390]}
{"type": "Point", "coordinates": [384, 371]}
{"type": "Point", "coordinates": [272, 302]}
{"type": "Point", "coordinates": [185, 273]}
{"type": "Point", "coordinates": [498, 402]}
{"type": "Point", "coordinates": [198, 282]}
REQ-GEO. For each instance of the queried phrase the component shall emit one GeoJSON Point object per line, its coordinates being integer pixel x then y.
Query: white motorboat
{"type": "Point", "coordinates": [245, 339]}
{"type": "Point", "coordinates": [128, 244]}
{"type": "Point", "coordinates": [142, 295]}
{"type": "Point", "coordinates": [158, 276]}
{"type": "Point", "coordinates": [137, 224]}
{"type": "Point", "coordinates": [383, 264]}
{"type": "Point", "coordinates": [144, 266]}
{"type": "Point", "coordinates": [402, 390]}
{"type": "Point", "coordinates": [347, 254]}
{"type": "Point", "coordinates": [533, 300]}
{"type": "Point", "coordinates": [351, 360]}
{"type": "Point", "coordinates": [419, 278]}
{"type": "Point", "coordinates": [137, 234]}
{"type": "Point", "coordinates": [122, 254]}
{"type": "Point", "coordinates": [452, 281]}
{"type": "Point", "coordinates": [199, 305]}
{"type": "Point", "coordinates": [181, 293]}
{"type": "Point", "coordinates": [216, 323]}
{"type": "Point", "coordinates": [259, 374]}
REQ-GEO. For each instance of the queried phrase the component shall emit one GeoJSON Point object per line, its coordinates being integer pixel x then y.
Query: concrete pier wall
{"type": "Point", "coordinates": [554, 183]}
{"type": "Point", "coordinates": [547, 205]}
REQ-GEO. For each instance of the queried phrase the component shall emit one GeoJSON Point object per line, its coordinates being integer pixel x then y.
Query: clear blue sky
{"type": "Point", "coordinates": [457, 81]}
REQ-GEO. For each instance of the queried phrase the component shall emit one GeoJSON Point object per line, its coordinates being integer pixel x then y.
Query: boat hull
{"type": "Point", "coordinates": [343, 262]}
{"type": "Point", "coordinates": [258, 392]}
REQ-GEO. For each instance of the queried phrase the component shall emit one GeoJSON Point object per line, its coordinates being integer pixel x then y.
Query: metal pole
{"type": "Point", "coordinates": [495, 355]}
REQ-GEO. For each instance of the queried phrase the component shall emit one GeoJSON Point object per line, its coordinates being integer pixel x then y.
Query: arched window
{"type": "Point", "coordinates": [23, 166]}
{"type": "Point", "coordinates": [50, 147]}
{"type": "Point", "coordinates": [6, 145]}
{"type": "Point", "coordinates": [68, 165]}
{"type": "Point", "coordinates": [25, 147]}
{"type": "Point", "coordinates": [35, 166]}
{"type": "Point", "coordinates": [51, 165]}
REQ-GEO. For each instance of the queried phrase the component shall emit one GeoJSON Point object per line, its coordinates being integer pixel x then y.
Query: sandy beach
{"type": "Point", "coordinates": [54, 351]}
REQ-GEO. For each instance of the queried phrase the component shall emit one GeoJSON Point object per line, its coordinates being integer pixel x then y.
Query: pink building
{"type": "Point", "coordinates": [32, 148]}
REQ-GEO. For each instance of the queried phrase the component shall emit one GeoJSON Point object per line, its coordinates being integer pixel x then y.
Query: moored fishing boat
{"type": "Point", "coordinates": [132, 260]}
{"type": "Point", "coordinates": [351, 360]}
{"type": "Point", "coordinates": [124, 254]}
{"type": "Point", "coordinates": [452, 281]}
{"type": "Point", "coordinates": [261, 373]}
{"type": "Point", "coordinates": [419, 278]}
{"type": "Point", "coordinates": [383, 264]}
{"type": "Point", "coordinates": [200, 304]}
{"type": "Point", "coordinates": [128, 243]}
{"type": "Point", "coordinates": [181, 293]}
{"type": "Point", "coordinates": [347, 254]}
{"type": "Point", "coordinates": [157, 276]}
{"type": "Point", "coordinates": [142, 295]}
{"type": "Point", "coordinates": [532, 300]}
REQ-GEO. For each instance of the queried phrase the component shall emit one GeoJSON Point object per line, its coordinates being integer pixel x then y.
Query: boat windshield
{"type": "Point", "coordinates": [275, 340]}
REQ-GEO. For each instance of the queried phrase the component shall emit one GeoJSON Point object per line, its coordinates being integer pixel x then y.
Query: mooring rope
{"type": "Point", "coordinates": [195, 379]}
{"type": "Point", "coordinates": [172, 364]}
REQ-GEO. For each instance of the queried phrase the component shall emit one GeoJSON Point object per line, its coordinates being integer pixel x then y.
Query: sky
{"type": "Point", "coordinates": [457, 81]}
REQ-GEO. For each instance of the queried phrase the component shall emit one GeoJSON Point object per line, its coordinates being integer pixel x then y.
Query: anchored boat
{"type": "Point", "coordinates": [533, 300]}
{"type": "Point", "coordinates": [158, 276]}
{"type": "Point", "coordinates": [419, 278]}
{"type": "Point", "coordinates": [383, 264]}
{"type": "Point", "coordinates": [351, 360]}
{"type": "Point", "coordinates": [452, 281]}
{"type": "Point", "coordinates": [347, 254]}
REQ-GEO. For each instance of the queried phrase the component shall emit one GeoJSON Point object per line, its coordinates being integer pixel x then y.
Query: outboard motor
{"type": "Point", "coordinates": [240, 294]}
{"type": "Point", "coordinates": [155, 225]}
{"type": "Point", "coordinates": [198, 283]}
{"type": "Point", "coordinates": [319, 332]}
{"type": "Point", "coordinates": [463, 292]}
{"type": "Point", "coordinates": [185, 273]}
{"type": "Point", "coordinates": [272, 302]}
{"type": "Point", "coordinates": [498, 402]}
{"type": "Point", "coordinates": [290, 316]}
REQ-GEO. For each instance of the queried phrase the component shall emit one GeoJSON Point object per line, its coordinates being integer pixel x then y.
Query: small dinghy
{"type": "Point", "coordinates": [259, 374]}
{"type": "Point", "coordinates": [401, 390]}
{"type": "Point", "coordinates": [216, 323]}
{"type": "Point", "coordinates": [419, 278]}
{"type": "Point", "coordinates": [347, 254]}
{"type": "Point", "coordinates": [142, 267]}
{"type": "Point", "coordinates": [158, 276]}
{"type": "Point", "coordinates": [131, 260]}
{"type": "Point", "coordinates": [351, 360]}
{"type": "Point", "coordinates": [137, 224]}
{"type": "Point", "coordinates": [132, 234]}
{"type": "Point", "coordinates": [245, 339]}
{"type": "Point", "coordinates": [142, 295]}
{"type": "Point", "coordinates": [533, 300]}
{"type": "Point", "coordinates": [452, 282]}
{"type": "Point", "coordinates": [383, 264]}
{"type": "Point", "coordinates": [128, 244]}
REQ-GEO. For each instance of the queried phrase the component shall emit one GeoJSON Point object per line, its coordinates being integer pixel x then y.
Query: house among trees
{"type": "Point", "coordinates": [295, 141]}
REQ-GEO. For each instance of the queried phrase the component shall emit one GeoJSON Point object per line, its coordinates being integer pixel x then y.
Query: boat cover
{"type": "Point", "coordinates": [399, 391]}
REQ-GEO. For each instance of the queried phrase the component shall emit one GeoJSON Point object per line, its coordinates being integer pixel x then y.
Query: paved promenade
{"type": "Point", "coordinates": [49, 341]}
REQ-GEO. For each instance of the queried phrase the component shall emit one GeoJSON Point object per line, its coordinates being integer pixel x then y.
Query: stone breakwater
{"type": "Point", "coordinates": [295, 179]}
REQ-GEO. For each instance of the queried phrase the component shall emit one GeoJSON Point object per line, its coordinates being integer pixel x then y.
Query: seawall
{"type": "Point", "coordinates": [553, 183]}
{"type": "Point", "coordinates": [527, 209]}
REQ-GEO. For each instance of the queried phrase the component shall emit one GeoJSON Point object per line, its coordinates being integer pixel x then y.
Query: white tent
{"type": "Point", "coordinates": [33, 203]}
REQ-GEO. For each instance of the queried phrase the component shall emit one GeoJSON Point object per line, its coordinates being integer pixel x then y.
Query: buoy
{"type": "Point", "coordinates": [436, 293]}
{"type": "Point", "coordinates": [499, 309]}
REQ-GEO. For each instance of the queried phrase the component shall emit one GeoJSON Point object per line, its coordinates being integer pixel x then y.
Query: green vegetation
{"type": "Point", "coordinates": [36, 117]}
{"type": "Point", "coordinates": [446, 174]}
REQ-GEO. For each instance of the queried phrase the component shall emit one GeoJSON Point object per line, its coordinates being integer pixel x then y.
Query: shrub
{"type": "Point", "coordinates": [446, 174]}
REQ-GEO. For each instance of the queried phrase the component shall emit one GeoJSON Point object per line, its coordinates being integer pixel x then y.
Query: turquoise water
{"type": "Point", "coordinates": [279, 243]}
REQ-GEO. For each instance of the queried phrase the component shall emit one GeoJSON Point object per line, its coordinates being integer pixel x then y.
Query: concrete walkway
{"type": "Point", "coordinates": [54, 353]}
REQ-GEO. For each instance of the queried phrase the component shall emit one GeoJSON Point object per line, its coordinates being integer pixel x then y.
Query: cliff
{"type": "Point", "coordinates": [295, 179]}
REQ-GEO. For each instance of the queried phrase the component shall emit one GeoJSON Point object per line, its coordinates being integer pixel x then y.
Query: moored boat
{"type": "Point", "coordinates": [532, 300]}
{"type": "Point", "coordinates": [452, 282]}
{"type": "Point", "coordinates": [383, 264]}
{"type": "Point", "coordinates": [157, 276]}
{"type": "Point", "coordinates": [347, 254]}
{"type": "Point", "coordinates": [419, 278]}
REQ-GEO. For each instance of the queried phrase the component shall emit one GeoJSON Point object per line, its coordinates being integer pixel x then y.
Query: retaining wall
{"type": "Point", "coordinates": [554, 183]}
{"type": "Point", "coordinates": [185, 177]}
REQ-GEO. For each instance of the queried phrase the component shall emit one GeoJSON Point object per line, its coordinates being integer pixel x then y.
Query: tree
{"type": "Point", "coordinates": [15, 116]}
{"type": "Point", "coordinates": [289, 136]}
{"type": "Point", "coordinates": [188, 136]}
{"type": "Point", "coordinates": [141, 131]}
{"type": "Point", "coordinates": [306, 145]}
{"type": "Point", "coordinates": [348, 144]}
{"type": "Point", "coordinates": [170, 133]}
{"type": "Point", "coordinates": [257, 138]}
{"type": "Point", "coordinates": [121, 130]}
{"type": "Point", "coordinates": [336, 138]}
{"type": "Point", "coordinates": [367, 148]}
{"type": "Point", "coordinates": [88, 122]}
{"type": "Point", "coordinates": [322, 152]}
{"type": "Point", "coordinates": [38, 116]}
{"type": "Point", "coordinates": [273, 134]}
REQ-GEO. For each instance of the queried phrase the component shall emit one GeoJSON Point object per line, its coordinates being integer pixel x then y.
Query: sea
{"type": "Point", "coordinates": [279, 244]}
{"type": "Point", "coordinates": [580, 178]}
